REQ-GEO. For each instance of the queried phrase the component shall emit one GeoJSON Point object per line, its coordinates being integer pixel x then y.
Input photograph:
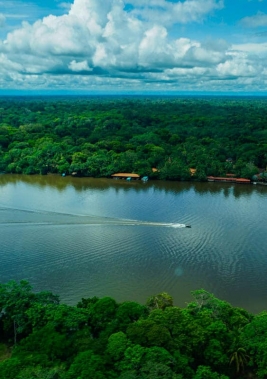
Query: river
{"type": "Point", "coordinates": [84, 237]}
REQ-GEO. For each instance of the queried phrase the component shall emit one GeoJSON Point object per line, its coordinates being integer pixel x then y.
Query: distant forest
{"type": "Point", "coordinates": [99, 136]}
{"type": "Point", "coordinates": [41, 338]}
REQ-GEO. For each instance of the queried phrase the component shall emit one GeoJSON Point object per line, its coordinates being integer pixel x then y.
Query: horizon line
{"type": "Point", "coordinates": [29, 93]}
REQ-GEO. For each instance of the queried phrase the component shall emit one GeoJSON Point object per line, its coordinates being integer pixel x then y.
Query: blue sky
{"type": "Point", "coordinates": [133, 46]}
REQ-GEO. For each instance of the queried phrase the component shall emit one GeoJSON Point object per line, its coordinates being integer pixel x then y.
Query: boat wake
{"type": "Point", "coordinates": [166, 224]}
{"type": "Point", "coordinates": [35, 217]}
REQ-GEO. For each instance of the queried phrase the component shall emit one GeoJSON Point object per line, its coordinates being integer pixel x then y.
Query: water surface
{"type": "Point", "coordinates": [83, 237]}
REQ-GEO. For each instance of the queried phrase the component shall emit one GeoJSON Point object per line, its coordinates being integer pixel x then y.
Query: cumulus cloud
{"type": "Point", "coordinates": [110, 37]}
{"type": "Point", "coordinates": [256, 21]}
{"type": "Point", "coordinates": [237, 67]}
{"type": "Point", "coordinates": [113, 44]}
{"type": "Point", "coordinates": [79, 66]}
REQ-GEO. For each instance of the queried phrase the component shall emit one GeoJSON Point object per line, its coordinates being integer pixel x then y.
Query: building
{"type": "Point", "coordinates": [125, 175]}
{"type": "Point", "coordinates": [227, 180]}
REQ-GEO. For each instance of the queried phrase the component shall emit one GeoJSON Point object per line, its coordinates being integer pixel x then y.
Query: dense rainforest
{"type": "Point", "coordinates": [99, 136]}
{"type": "Point", "coordinates": [102, 339]}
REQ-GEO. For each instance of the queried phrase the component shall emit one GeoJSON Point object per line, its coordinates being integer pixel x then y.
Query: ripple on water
{"type": "Point", "coordinates": [224, 251]}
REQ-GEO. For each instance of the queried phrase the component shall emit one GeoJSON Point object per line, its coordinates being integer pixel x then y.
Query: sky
{"type": "Point", "coordinates": [133, 46]}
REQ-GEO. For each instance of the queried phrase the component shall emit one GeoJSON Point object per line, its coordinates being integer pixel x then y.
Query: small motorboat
{"type": "Point", "coordinates": [144, 179]}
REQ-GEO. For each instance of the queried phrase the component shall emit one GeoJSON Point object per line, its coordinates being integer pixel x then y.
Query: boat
{"type": "Point", "coordinates": [174, 225]}
{"type": "Point", "coordinates": [144, 179]}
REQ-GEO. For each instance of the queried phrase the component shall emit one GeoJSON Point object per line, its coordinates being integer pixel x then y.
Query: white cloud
{"type": "Point", "coordinates": [179, 12]}
{"type": "Point", "coordinates": [256, 49]}
{"type": "Point", "coordinates": [79, 66]}
{"type": "Point", "coordinates": [103, 44]}
{"type": "Point", "coordinates": [239, 67]}
{"type": "Point", "coordinates": [256, 21]}
{"type": "Point", "coordinates": [154, 49]}
{"type": "Point", "coordinates": [64, 5]}
{"type": "Point", "coordinates": [8, 66]}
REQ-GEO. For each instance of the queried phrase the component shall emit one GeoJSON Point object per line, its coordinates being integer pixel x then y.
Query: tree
{"type": "Point", "coordinates": [44, 346]}
{"type": "Point", "coordinates": [155, 370]}
{"type": "Point", "coordinates": [38, 372]}
{"type": "Point", "coordinates": [205, 372]}
{"type": "Point", "coordinates": [148, 333]}
{"type": "Point", "coordinates": [117, 344]}
{"type": "Point", "coordinates": [129, 312]}
{"type": "Point", "coordinates": [15, 300]}
{"type": "Point", "coordinates": [174, 170]}
{"type": "Point", "coordinates": [132, 358]}
{"type": "Point", "coordinates": [160, 301]}
{"type": "Point", "coordinates": [64, 318]}
{"type": "Point", "coordinates": [240, 359]}
{"type": "Point", "coordinates": [10, 368]}
{"type": "Point", "coordinates": [88, 365]}
{"type": "Point", "coordinates": [102, 313]}
{"type": "Point", "coordinates": [254, 338]}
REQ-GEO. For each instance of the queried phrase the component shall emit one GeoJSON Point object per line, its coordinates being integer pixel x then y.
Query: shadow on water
{"type": "Point", "coordinates": [83, 184]}
{"type": "Point", "coordinates": [104, 184]}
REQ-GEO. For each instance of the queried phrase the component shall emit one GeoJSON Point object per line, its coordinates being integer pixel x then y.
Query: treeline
{"type": "Point", "coordinates": [102, 339]}
{"type": "Point", "coordinates": [100, 136]}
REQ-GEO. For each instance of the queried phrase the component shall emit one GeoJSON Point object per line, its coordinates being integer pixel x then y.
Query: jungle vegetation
{"type": "Point", "coordinates": [40, 337]}
{"type": "Point", "coordinates": [99, 136]}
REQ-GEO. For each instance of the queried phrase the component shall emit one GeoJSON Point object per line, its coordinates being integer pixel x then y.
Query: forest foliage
{"type": "Point", "coordinates": [99, 338]}
{"type": "Point", "coordinates": [99, 136]}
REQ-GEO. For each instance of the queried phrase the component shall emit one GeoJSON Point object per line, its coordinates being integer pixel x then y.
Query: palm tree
{"type": "Point", "coordinates": [240, 359]}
